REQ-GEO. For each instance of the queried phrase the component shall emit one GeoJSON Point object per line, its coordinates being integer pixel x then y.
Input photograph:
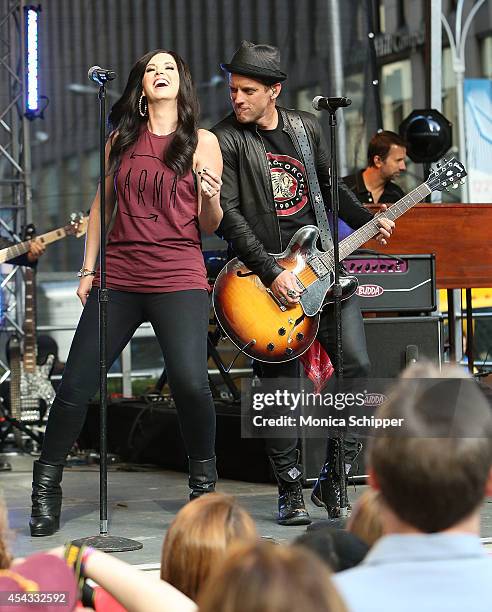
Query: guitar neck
{"type": "Point", "coordinates": [15, 374]}
{"type": "Point", "coordinates": [29, 328]}
{"type": "Point", "coordinates": [23, 247]}
{"type": "Point", "coordinates": [371, 228]}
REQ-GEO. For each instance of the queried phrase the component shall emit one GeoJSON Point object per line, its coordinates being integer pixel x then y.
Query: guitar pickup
{"type": "Point", "coordinates": [318, 267]}
{"type": "Point", "coordinates": [282, 307]}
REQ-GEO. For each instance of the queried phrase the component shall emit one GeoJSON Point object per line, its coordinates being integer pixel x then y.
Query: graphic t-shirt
{"type": "Point", "coordinates": [289, 182]}
{"type": "Point", "coordinates": [154, 245]}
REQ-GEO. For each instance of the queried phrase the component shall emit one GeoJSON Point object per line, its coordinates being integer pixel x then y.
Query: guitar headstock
{"type": "Point", "coordinates": [446, 174]}
{"type": "Point", "coordinates": [78, 224]}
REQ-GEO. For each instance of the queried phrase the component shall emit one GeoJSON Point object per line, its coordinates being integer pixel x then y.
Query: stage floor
{"type": "Point", "coordinates": [142, 502]}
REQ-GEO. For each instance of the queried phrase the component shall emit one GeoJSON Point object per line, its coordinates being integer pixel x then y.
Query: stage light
{"type": "Point", "coordinates": [31, 27]}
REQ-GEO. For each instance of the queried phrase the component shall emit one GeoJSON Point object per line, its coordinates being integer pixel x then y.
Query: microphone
{"type": "Point", "coordinates": [330, 104]}
{"type": "Point", "coordinates": [100, 75]}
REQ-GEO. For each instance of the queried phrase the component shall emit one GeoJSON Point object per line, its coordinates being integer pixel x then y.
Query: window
{"type": "Point", "coordinates": [449, 89]}
{"type": "Point", "coordinates": [396, 93]}
{"type": "Point", "coordinates": [382, 18]}
{"type": "Point", "coordinates": [486, 49]}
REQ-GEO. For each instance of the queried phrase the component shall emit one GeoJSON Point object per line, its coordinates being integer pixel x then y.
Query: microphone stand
{"type": "Point", "coordinates": [337, 294]}
{"type": "Point", "coordinates": [104, 541]}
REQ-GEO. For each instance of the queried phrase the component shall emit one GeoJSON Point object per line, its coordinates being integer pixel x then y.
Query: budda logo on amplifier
{"type": "Point", "coordinates": [370, 291]}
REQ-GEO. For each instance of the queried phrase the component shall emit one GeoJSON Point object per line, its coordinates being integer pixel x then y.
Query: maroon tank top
{"type": "Point", "coordinates": [154, 245]}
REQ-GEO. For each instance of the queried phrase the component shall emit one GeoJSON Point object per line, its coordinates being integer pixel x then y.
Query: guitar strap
{"type": "Point", "coordinates": [299, 132]}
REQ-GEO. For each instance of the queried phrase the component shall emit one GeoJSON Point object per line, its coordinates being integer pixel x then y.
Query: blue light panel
{"type": "Point", "coordinates": [32, 61]}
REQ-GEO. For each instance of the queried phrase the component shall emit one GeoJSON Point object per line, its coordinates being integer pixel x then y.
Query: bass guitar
{"type": "Point", "coordinates": [267, 330]}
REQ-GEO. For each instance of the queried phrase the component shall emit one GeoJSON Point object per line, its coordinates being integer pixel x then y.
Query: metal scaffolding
{"type": "Point", "coordinates": [15, 150]}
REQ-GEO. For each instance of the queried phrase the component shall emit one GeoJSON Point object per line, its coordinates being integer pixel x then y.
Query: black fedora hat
{"type": "Point", "coordinates": [261, 62]}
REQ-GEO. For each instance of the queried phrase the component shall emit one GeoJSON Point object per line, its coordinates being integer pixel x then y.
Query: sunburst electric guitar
{"type": "Point", "coordinates": [265, 329]}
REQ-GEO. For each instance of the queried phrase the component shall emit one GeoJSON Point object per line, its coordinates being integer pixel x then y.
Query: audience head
{"type": "Point", "coordinates": [40, 573]}
{"type": "Point", "coordinates": [339, 549]}
{"type": "Point", "coordinates": [264, 577]}
{"type": "Point", "coordinates": [365, 520]}
{"type": "Point", "coordinates": [436, 472]}
{"type": "Point", "coordinates": [198, 538]}
{"type": "Point", "coordinates": [5, 557]}
{"type": "Point", "coordinates": [387, 152]}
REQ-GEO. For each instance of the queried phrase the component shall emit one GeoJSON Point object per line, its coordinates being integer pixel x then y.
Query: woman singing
{"type": "Point", "coordinates": [164, 176]}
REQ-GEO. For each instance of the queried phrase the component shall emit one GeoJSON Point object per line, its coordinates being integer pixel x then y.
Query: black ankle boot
{"type": "Point", "coordinates": [327, 490]}
{"type": "Point", "coordinates": [291, 507]}
{"type": "Point", "coordinates": [46, 499]}
{"type": "Point", "coordinates": [203, 476]}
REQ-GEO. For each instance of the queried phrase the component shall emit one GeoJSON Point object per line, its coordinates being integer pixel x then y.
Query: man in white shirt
{"type": "Point", "coordinates": [433, 477]}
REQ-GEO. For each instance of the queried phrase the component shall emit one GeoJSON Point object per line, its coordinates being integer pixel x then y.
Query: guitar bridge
{"type": "Point", "coordinates": [318, 267]}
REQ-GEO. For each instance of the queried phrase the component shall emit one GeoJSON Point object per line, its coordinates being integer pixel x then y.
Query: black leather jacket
{"type": "Point", "coordinates": [250, 223]}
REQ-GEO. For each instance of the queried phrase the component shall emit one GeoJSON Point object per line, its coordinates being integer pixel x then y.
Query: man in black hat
{"type": "Point", "coordinates": [265, 196]}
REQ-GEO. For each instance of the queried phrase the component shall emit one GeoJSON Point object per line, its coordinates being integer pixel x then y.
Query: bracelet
{"type": "Point", "coordinates": [85, 553]}
{"type": "Point", "coordinates": [76, 558]}
{"type": "Point", "coordinates": [85, 272]}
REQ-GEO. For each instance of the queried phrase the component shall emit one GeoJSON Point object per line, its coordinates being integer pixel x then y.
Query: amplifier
{"type": "Point", "coordinates": [391, 343]}
{"type": "Point", "coordinates": [394, 282]}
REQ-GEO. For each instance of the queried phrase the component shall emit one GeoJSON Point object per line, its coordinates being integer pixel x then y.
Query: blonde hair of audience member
{"type": "Point", "coordinates": [5, 556]}
{"type": "Point", "coordinates": [365, 521]}
{"type": "Point", "coordinates": [199, 537]}
{"type": "Point", "coordinates": [264, 577]}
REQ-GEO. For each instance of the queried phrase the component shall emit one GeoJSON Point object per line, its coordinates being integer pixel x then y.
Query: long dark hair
{"type": "Point", "coordinates": [125, 119]}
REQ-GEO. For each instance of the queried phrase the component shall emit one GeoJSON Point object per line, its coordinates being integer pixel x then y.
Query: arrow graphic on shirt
{"type": "Point", "coordinates": [151, 217]}
{"type": "Point", "coordinates": [133, 155]}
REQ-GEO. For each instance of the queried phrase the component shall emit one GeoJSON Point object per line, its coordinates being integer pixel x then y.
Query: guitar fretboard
{"type": "Point", "coordinates": [23, 247]}
{"type": "Point", "coordinates": [30, 351]}
{"type": "Point", "coordinates": [371, 228]}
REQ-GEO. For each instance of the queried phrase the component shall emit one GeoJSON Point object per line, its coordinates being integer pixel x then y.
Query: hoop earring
{"type": "Point", "coordinates": [143, 106]}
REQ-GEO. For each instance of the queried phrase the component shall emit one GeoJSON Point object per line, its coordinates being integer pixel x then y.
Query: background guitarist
{"type": "Point", "coordinates": [265, 199]}
{"type": "Point", "coordinates": [36, 249]}
{"type": "Point", "coordinates": [28, 259]}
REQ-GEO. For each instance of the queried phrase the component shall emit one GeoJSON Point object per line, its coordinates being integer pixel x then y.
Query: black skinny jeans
{"type": "Point", "coordinates": [180, 321]}
{"type": "Point", "coordinates": [355, 365]}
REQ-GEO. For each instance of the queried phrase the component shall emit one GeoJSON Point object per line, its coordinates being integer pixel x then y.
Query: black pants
{"type": "Point", "coordinates": [355, 365]}
{"type": "Point", "coordinates": [180, 322]}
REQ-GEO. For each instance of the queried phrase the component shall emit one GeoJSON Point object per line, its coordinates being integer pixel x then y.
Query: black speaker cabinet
{"type": "Point", "coordinates": [391, 343]}
{"type": "Point", "coordinates": [139, 432]}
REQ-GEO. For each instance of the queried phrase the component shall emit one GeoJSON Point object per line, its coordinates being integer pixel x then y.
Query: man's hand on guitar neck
{"type": "Point", "coordinates": [285, 288]}
{"type": "Point", "coordinates": [386, 227]}
{"type": "Point", "coordinates": [36, 249]}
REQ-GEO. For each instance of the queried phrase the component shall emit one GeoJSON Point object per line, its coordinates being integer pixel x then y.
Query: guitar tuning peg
{"type": "Point", "coordinates": [462, 181]}
{"type": "Point", "coordinates": [444, 183]}
{"type": "Point", "coordinates": [444, 160]}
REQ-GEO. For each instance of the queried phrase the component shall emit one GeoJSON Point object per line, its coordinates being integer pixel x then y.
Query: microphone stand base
{"type": "Point", "coordinates": [108, 543]}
